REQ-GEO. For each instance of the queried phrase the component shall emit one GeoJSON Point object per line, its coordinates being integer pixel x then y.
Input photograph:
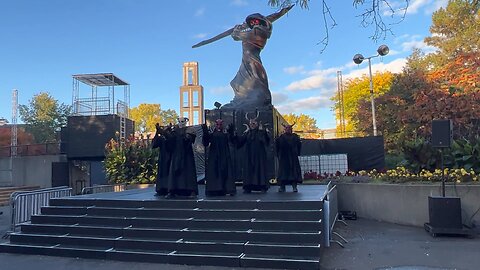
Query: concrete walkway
{"type": "Point", "coordinates": [372, 245]}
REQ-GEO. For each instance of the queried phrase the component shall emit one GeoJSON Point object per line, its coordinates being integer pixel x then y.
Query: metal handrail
{"type": "Point", "coordinates": [25, 204]}
{"type": "Point", "coordinates": [103, 189]}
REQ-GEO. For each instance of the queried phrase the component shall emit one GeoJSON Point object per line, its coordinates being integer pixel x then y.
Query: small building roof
{"type": "Point", "coordinates": [100, 79]}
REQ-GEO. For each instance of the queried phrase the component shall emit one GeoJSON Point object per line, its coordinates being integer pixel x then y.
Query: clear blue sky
{"type": "Point", "coordinates": [43, 43]}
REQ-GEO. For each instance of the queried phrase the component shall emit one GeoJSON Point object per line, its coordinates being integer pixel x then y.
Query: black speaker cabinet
{"type": "Point", "coordinates": [442, 135]}
{"type": "Point", "coordinates": [445, 212]}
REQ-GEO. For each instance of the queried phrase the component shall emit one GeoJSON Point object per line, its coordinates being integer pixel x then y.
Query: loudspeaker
{"type": "Point", "coordinates": [445, 212]}
{"type": "Point", "coordinates": [442, 135]}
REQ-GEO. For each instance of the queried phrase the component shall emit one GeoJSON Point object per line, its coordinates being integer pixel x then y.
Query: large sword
{"type": "Point", "coordinates": [272, 17]}
{"type": "Point", "coordinates": [215, 38]}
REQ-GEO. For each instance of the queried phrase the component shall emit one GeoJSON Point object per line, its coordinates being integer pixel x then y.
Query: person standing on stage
{"type": "Point", "coordinates": [219, 168]}
{"type": "Point", "coordinates": [182, 179]}
{"type": "Point", "coordinates": [287, 148]}
{"type": "Point", "coordinates": [255, 139]}
{"type": "Point", "coordinates": [164, 158]}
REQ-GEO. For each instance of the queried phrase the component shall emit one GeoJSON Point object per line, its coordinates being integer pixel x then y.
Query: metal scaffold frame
{"type": "Point", "coordinates": [14, 130]}
{"type": "Point", "coordinates": [102, 102]}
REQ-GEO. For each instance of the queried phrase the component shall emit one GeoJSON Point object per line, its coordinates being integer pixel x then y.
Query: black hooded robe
{"type": "Point", "coordinates": [255, 142]}
{"type": "Point", "coordinates": [163, 164]}
{"type": "Point", "coordinates": [182, 179]}
{"type": "Point", "coordinates": [219, 168]}
{"type": "Point", "coordinates": [288, 148]}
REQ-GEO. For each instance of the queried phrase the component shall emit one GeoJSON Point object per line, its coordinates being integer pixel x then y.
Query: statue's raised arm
{"type": "Point", "coordinates": [275, 16]}
{"type": "Point", "coordinates": [250, 85]}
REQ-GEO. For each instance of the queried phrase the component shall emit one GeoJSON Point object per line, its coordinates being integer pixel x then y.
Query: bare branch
{"type": "Point", "coordinates": [372, 16]}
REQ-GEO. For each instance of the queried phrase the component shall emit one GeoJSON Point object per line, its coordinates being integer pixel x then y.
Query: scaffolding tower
{"type": "Point", "coordinates": [14, 131]}
{"type": "Point", "coordinates": [341, 105]}
{"type": "Point", "coordinates": [103, 98]}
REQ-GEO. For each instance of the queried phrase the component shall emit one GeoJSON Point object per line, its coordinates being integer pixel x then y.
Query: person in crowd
{"type": "Point", "coordinates": [255, 139]}
{"type": "Point", "coordinates": [182, 178]}
{"type": "Point", "coordinates": [287, 149]}
{"type": "Point", "coordinates": [162, 135]}
{"type": "Point", "coordinates": [219, 168]}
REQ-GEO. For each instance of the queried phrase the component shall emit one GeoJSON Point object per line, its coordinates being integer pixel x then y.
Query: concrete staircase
{"type": "Point", "coordinates": [266, 234]}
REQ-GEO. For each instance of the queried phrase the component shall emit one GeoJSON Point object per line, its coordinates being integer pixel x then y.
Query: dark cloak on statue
{"type": "Point", "coordinates": [164, 158]}
{"type": "Point", "coordinates": [288, 147]}
{"type": "Point", "coordinates": [255, 142]}
{"type": "Point", "coordinates": [219, 168]}
{"type": "Point", "coordinates": [182, 179]}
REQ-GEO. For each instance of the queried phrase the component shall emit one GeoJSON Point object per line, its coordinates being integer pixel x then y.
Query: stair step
{"type": "Point", "coordinates": [129, 244]}
{"type": "Point", "coordinates": [248, 224]}
{"type": "Point", "coordinates": [84, 201]}
{"type": "Point", "coordinates": [121, 255]}
{"type": "Point", "coordinates": [176, 234]}
{"type": "Point", "coordinates": [279, 262]}
{"type": "Point", "coordinates": [294, 215]}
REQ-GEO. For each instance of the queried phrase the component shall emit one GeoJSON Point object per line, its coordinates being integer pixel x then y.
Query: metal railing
{"type": "Point", "coordinates": [103, 188]}
{"type": "Point", "coordinates": [25, 204]}
{"type": "Point", "coordinates": [330, 215]}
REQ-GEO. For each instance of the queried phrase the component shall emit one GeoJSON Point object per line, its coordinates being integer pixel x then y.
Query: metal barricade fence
{"type": "Point", "coordinates": [103, 188]}
{"type": "Point", "coordinates": [330, 211]}
{"type": "Point", "coordinates": [24, 204]}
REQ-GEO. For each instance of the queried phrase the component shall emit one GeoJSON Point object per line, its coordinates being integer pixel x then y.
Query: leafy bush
{"type": "Point", "coordinates": [133, 162]}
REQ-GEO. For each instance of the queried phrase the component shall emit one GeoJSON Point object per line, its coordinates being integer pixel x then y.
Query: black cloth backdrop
{"type": "Point", "coordinates": [365, 153]}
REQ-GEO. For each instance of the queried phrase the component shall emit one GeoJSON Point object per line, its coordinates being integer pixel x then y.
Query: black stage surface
{"type": "Point", "coordinates": [306, 193]}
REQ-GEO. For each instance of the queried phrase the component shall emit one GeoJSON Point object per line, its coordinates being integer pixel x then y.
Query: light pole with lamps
{"type": "Point", "coordinates": [358, 59]}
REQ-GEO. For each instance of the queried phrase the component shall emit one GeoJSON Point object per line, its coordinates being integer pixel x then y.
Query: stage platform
{"type": "Point", "coordinates": [272, 230]}
{"type": "Point", "coordinates": [306, 193]}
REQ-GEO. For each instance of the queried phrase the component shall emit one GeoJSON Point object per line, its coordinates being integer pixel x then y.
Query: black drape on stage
{"type": "Point", "coordinates": [365, 153]}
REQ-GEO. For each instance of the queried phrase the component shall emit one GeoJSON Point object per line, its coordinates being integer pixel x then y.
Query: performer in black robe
{"type": "Point", "coordinates": [255, 139]}
{"type": "Point", "coordinates": [219, 167]}
{"type": "Point", "coordinates": [182, 180]}
{"type": "Point", "coordinates": [288, 146]}
{"type": "Point", "coordinates": [164, 158]}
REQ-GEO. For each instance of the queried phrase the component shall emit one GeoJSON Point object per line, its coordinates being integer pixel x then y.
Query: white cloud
{"type": "Point", "coordinates": [199, 12]}
{"type": "Point", "coordinates": [294, 70]}
{"type": "Point", "coordinates": [394, 66]}
{"type": "Point", "coordinates": [239, 3]}
{"type": "Point", "coordinates": [320, 78]}
{"type": "Point", "coordinates": [436, 6]}
{"type": "Point", "coordinates": [221, 90]}
{"type": "Point", "coordinates": [416, 5]}
{"type": "Point", "coordinates": [200, 35]}
{"type": "Point", "coordinates": [408, 43]}
{"type": "Point", "coordinates": [278, 97]}
{"type": "Point", "coordinates": [302, 105]}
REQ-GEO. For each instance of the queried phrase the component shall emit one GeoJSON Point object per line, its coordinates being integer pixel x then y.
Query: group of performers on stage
{"type": "Point", "coordinates": [176, 165]}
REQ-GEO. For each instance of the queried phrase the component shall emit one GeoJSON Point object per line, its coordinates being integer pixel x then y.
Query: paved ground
{"type": "Point", "coordinates": [372, 245]}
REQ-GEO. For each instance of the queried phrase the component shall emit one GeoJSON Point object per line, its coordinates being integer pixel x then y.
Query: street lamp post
{"type": "Point", "coordinates": [358, 59]}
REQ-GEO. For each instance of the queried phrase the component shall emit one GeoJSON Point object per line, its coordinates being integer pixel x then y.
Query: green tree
{"type": "Point", "coordinates": [454, 31]}
{"type": "Point", "coordinates": [357, 90]}
{"type": "Point", "coordinates": [44, 117]}
{"type": "Point", "coordinates": [147, 115]}
{"type": "Point", "coordinates": [305, 126]}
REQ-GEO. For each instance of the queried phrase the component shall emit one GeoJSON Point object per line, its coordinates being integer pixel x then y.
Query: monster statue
{"type": "Point", "coordinates": [250, 85]}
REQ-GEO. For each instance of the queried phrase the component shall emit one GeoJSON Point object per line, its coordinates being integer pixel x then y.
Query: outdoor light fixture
{"type": "Point", "coordinates": [217, 104]}
{"type": "Point", "coordinates": [358, 59]}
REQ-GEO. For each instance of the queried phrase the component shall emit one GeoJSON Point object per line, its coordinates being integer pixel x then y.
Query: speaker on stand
{"type": "Point", "coordinates": [445, 213]}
